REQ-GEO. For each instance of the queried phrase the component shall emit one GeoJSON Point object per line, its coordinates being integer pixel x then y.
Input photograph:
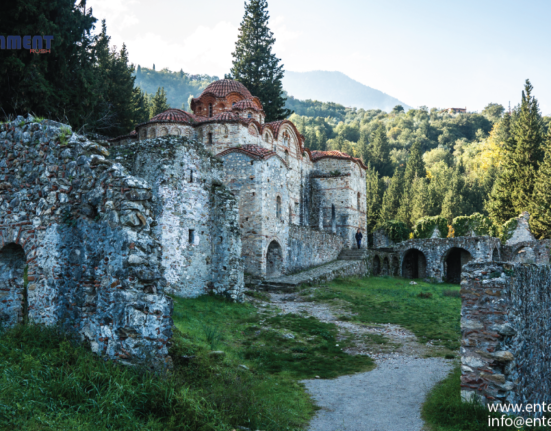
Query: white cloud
{"type": "Point", "coordinates": [117, 13]}
{"type": "Point", "coordinates": [206, 50]}
{"type": "Point", "coordinates": [284, 36]}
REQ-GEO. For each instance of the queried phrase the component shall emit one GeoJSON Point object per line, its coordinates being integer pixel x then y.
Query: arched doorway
{"type": "Point", "coordinates": [274, 260]}
{"type": "Point", "coordinates": [376, 265]}
{"type": "Point", "coordinates": [386, 266]}
{"type": "Point", "coordinates": [454, 260]}
{"type": "Point", "coordinates": [414, 264]}
{"type": "Point", "coordinates": [395, 267]}
{"type": "Point", "coordinates": [14, 307]}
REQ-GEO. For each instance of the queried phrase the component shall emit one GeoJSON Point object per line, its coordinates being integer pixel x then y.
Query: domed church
{"type": "Point", "coordinates": [297, 208]}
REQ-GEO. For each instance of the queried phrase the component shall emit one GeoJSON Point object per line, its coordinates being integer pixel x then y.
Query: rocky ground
{"type": "Point", "coordinates": [387, 398]}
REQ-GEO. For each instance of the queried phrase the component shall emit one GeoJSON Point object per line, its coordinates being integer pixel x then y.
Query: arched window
{"type": "Point", "coordinates": [333, 219]}
{"type": "Point", "coordinates": [287, 157]}
{"type": "Point", "coordinates": [209, 138]}
{"type": "Point", "coordinates": [286, 139]}
{"type": "Point", "coordinates": [249, 115]}
{"type": "Point", "coordinates": [210, 110]}
{"type": "Point", "coordinates": [190, 176]}
{"type": "Point", "coordinates": [278, 207]}
{"type": "Point", "coordinates": [358, 203]}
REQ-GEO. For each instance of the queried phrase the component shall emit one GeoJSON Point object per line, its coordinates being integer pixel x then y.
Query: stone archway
{"type": "Point", "coordinates": [376, 265]}
{"type": "Point", "coordinates": [454, 259]}
{"type": "Point", "coordinates": [395, 267]}
{"type": "Point", "coordinates": [386, 267]}
{"type": "Point", "coordinates": [414, 264]}
{"type": "Point", "coordinates": [13, 291]}
{"type": "Point", "coordinates": [274, 260]}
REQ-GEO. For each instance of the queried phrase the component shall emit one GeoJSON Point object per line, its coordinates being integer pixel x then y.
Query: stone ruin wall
{"type": "Point", "coordinates": [309, 247]}
{"type": "Point", "coordinates": [505, 328]}
{"type": "Point", "coordinates": [196, 216]}
{"type": "Point", "coordinates": [82, 225]}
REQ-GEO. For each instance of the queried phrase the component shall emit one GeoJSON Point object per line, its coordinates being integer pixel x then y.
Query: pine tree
{"type": "Point", "coordinates": [454, 202]}
{"type": "Point", "coordinates": [522, 154]}
{"type": "Point", "coordinates": [392, 197]}
{"type": "Point", "coordinates": [379, 151]}
{"type": "Point", "coordinates": [415, 167]}
{"type": "Point", "coordinates": [420, 193]}
{"type": "Point", "coordinates": [141, 106]}
{"type": "Point", "coordinates": [540, 208]}
{"type": "Point", "coordinates": [254, 64]}
{"type": "Point", "coordinates": [373, 197]}
{"type": "Point", "coordinates": [158, 102]}
{"type": "Point", "coordinates": [363, 145]}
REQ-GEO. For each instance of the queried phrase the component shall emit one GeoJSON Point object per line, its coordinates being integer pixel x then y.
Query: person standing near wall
{"type": "Point", "coordinates": [359, 237]}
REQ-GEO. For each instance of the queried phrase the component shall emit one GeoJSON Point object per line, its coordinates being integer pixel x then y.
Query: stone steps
{"type": "Point", "coordinates": [319, 275]}
{"type": "Point", "coordinates": [353, 254]}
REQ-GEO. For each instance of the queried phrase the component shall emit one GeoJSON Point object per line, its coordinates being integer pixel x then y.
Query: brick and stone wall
{"type": "Point", "coordinates": [196, 216]}
{"type": "Point", "coordinates": [505, 326]}
{"type": "Point", "coordinates": [82, 226]}
{"type": "Point", "coordinates": [308, 247]}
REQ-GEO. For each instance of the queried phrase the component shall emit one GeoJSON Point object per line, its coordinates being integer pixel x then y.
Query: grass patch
{"type": "Point", "coordinates": [423, 308]}
{"type": "Point", "coordinates": [444, 411]}
{"type": "Point", "coordinates": [262, 296]}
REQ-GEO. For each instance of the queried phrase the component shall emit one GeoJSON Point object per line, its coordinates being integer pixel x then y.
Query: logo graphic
{"type": "Point", "coordinates": [35, 44]}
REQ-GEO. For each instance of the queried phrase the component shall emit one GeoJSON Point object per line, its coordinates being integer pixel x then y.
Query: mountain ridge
{"type": "Point", "coordinates": [337, 87]}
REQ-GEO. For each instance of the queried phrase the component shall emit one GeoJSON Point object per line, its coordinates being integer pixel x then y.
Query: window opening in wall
{"type": "Point", "coordinates": [210, 110]}
{"type": "Point", "coordinates": [252, 161]}
{"type": "Point", "coordinates": [333, 219]}
{"type": "Point", "coordinates": [190, 176]}
{"type": "Point", "coordinates": [209, 137]}
{"type": "Point", "coordinates": [358, 202]}
{"type": "Point", "coordinates": [287, 157]}
{"type": "Point", "coordinates": [249, 115]}
{"type": "Point", "coordinates": [290, 215]}
{"type": "Point", "coordinates": [191, 237]}
{"type": "Point", "coordinates": [278, 207]}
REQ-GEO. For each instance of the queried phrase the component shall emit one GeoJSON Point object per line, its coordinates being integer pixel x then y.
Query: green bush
{"type": "Point", "coordinates": [396, 230]}
{"type": "Point", "coordinates": [477, 223]}
{"type": "Point", "coordinates": [508, 228]}
{"type": "Point", "coordinates": [424, 227]}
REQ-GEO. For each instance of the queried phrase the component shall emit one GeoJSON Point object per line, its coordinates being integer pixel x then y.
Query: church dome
{"type": "Point", "coordinates": [172, 116]}
{"type": "Point", "coordinates": [222, 88]}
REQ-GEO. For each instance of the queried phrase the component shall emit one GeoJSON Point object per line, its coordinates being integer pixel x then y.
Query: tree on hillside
{"type": "Point", "coordinates": [373, 197]}
{"type": "Point", "coordinates": [415, 168]}
{"type": "Point", "coordinates": [454, 203]}
{"type": "Point", "coordinates": [158, 102]}
{"type": "Point", "coordinates": [61, 84]}
{"type": "Point", "coordinates": [540, 208]}
{"type": "Point", "coordinates": [493, 112]}
{"type": "Point", "coordinates": [522, 154]}
{"type": "Point", "coordinates": [254, 64]}
{"type": "Point", "coordinates": [392, 197]}
{"type": "Point", "coordinates": [142, 106]}
{"type": "Point", "coordinates": [379, 151]}
{"type": "Point", "coordinates": [397, 109]}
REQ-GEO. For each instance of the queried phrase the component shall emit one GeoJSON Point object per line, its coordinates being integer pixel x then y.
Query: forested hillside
{"type": "Point", "coordinates": [179, 86]}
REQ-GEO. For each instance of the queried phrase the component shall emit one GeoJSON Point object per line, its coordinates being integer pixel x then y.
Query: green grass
{"type": "Point", "coordinates": [429, 310]}
{"type": "Point", "coordinates": [50, 381]}
{"type": "Point", "coordinates": [444, 410]}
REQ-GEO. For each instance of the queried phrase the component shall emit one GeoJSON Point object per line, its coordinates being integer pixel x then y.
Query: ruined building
{"type": "Point", "coordinates": [95, 235]}
{"type": "Point", "coordinates": [289, 198]}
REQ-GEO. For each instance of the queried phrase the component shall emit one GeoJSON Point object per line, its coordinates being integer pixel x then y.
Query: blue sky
{"type": "Point", "coordinates": [425, 52]}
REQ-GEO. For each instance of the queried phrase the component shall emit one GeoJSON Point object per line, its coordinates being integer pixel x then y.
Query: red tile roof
{"type": "Point", "coordinates": [245, 104]}
{"type": "Point", "coordinates": [172, 115]}
{"type": "Point", "coordinates": [226, 86]}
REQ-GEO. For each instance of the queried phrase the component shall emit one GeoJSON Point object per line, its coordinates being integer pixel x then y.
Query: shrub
{"type": "Point", "coordinates": [479, 224]}
{"type": "Point", "coordinates": [424, 227]}
{"type": "Point", "coordinates": [396, 230]}
{"type": "Point", "coordinates": [508, 228]}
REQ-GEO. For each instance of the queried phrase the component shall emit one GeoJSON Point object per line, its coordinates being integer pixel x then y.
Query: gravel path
{"type": "Point", "coordinates": [388, 398]}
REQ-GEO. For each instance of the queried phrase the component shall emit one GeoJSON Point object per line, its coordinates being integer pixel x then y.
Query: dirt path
{"type": "Point", "coordinates": [388, 398]}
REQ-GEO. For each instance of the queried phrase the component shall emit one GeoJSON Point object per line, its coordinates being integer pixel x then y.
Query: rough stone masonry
{"type": "Point", "coordinates": [81, 226]}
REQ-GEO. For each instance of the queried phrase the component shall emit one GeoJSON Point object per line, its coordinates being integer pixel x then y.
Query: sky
{"type": "Point", "coordinates": [425, 52]}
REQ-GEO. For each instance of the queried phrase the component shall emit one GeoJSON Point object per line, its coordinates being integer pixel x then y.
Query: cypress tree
{"type": "Point", "coordinates": [421, 206]}
{"type": "Point", "coordinates": [379, 151]}
{"type": "Point", "coordinates": [392, 197]}
{"type": "Point", "coordinates": [158, 102]}
{"type": "Point", "coordinates": [254, 64]}
{"type": "Point", "coordinates": [141, 106]}
{"type": "Point", "coordinates": [415, 166]}
{"type": "Point", "coordinates": [454, 202]}
{"type": "Point", "coordinates": [373, 197]}
{"type": "Point", "coordinates": [540, 208]}
{"type": "Point", "coordinates": [522, 154]}
{"type": "Point", "coordinates": [363, 145]}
